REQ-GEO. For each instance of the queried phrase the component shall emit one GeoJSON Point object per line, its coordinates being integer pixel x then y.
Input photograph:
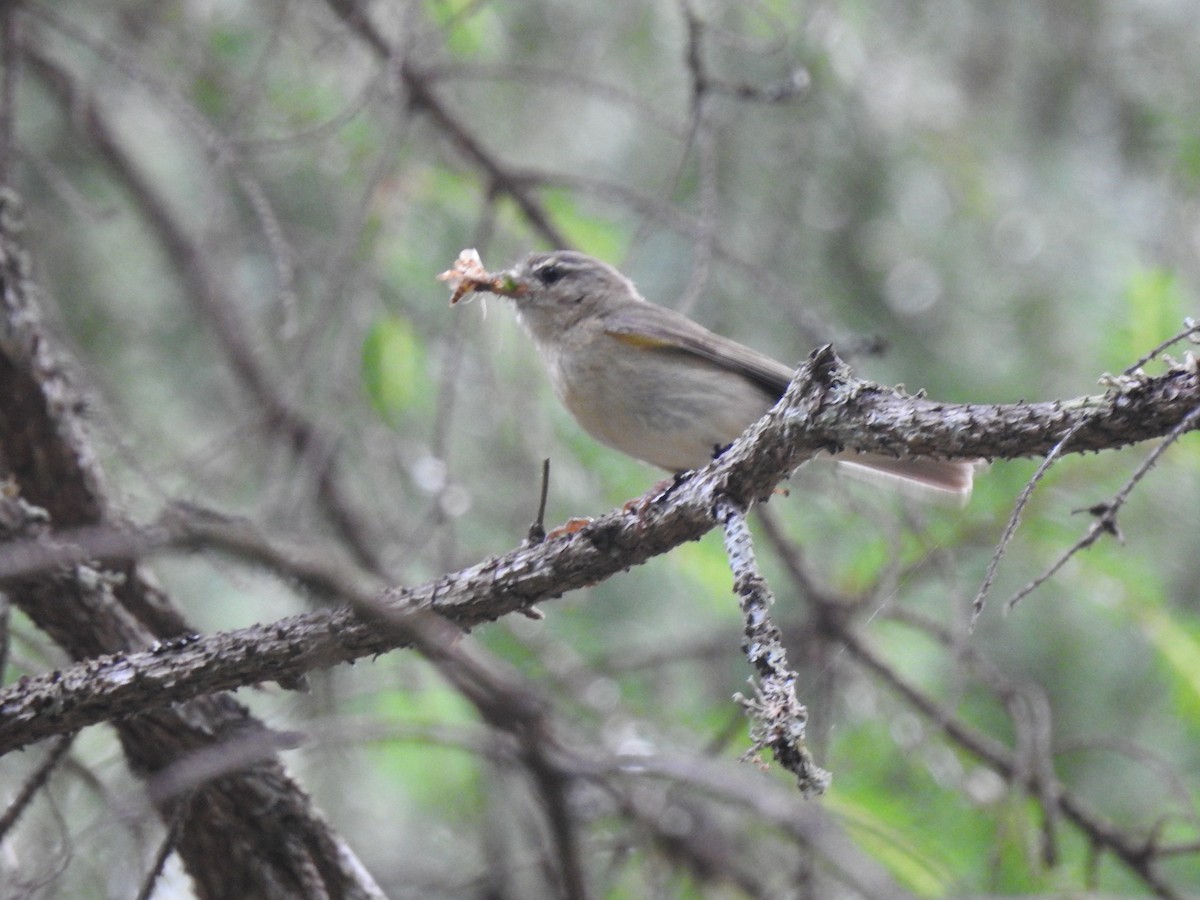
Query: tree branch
{"type": "Point", "coordinates": [779, 718]}
{"type": "Point", "coordinates": [825, 408]}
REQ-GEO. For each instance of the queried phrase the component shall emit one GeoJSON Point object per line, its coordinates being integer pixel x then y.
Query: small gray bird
{"type": "Point", "coordinates": [652, 383]}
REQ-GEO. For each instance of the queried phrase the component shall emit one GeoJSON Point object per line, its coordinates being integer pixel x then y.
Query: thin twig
{"type": "Point", "coordinates": [34, 783]}
{"type": "Point", "coordinates": [537, 531]}
{"type": "Point", "coordinates": [10, 33]}
{"type": "Point", "coordinates": [165, 848]}
{"type": "Point", "coordinates": [1014, 519]}
{"type": "Point", "coordinates": [1191, 327]}
{"type": "Point", "coordinates": [1106, 513]}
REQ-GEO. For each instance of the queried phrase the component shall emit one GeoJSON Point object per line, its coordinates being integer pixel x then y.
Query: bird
{"type": "Point", "coordinates": [652, 383]}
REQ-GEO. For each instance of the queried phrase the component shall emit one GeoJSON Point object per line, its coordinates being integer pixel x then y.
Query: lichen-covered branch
{"type": "Point", "coordinates": [869, 417]}
{"type": "Point", "coordinates": [778, 717]}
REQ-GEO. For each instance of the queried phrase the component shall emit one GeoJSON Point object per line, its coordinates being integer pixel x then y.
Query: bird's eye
{"type": "Point", "coordinates": [550, 273]}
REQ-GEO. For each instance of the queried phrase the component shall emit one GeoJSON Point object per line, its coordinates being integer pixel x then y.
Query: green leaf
{"type": "Point", "coordinates": [919, 867]}
{"type": "Point", "coordinates": [583, 227]}
{"type": "Point", "coordinates": [1188, 161]}
{"type": "Point", "coordinates": [393, 367]}
{"type": "Point", "coordinates": [1179, 650]}
{"type": "Point", "coordinates": [1155, 309]}
{"type": "Point", "coordinates": [466, 25]}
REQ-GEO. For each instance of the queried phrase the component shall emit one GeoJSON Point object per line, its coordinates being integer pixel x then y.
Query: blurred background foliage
{"type": "Point", "coordinates": [989, 201]}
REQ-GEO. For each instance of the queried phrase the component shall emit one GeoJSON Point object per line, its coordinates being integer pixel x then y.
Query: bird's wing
{"type": "Point", "coordinates": [659, 328]}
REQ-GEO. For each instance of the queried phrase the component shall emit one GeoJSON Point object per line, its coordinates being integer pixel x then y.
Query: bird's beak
{"type": "Point", "coordinates": [509, 283]}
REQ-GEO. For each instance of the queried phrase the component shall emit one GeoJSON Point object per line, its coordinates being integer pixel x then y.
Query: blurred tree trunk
{"type": "Point", "coordinates": [250, 831]}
